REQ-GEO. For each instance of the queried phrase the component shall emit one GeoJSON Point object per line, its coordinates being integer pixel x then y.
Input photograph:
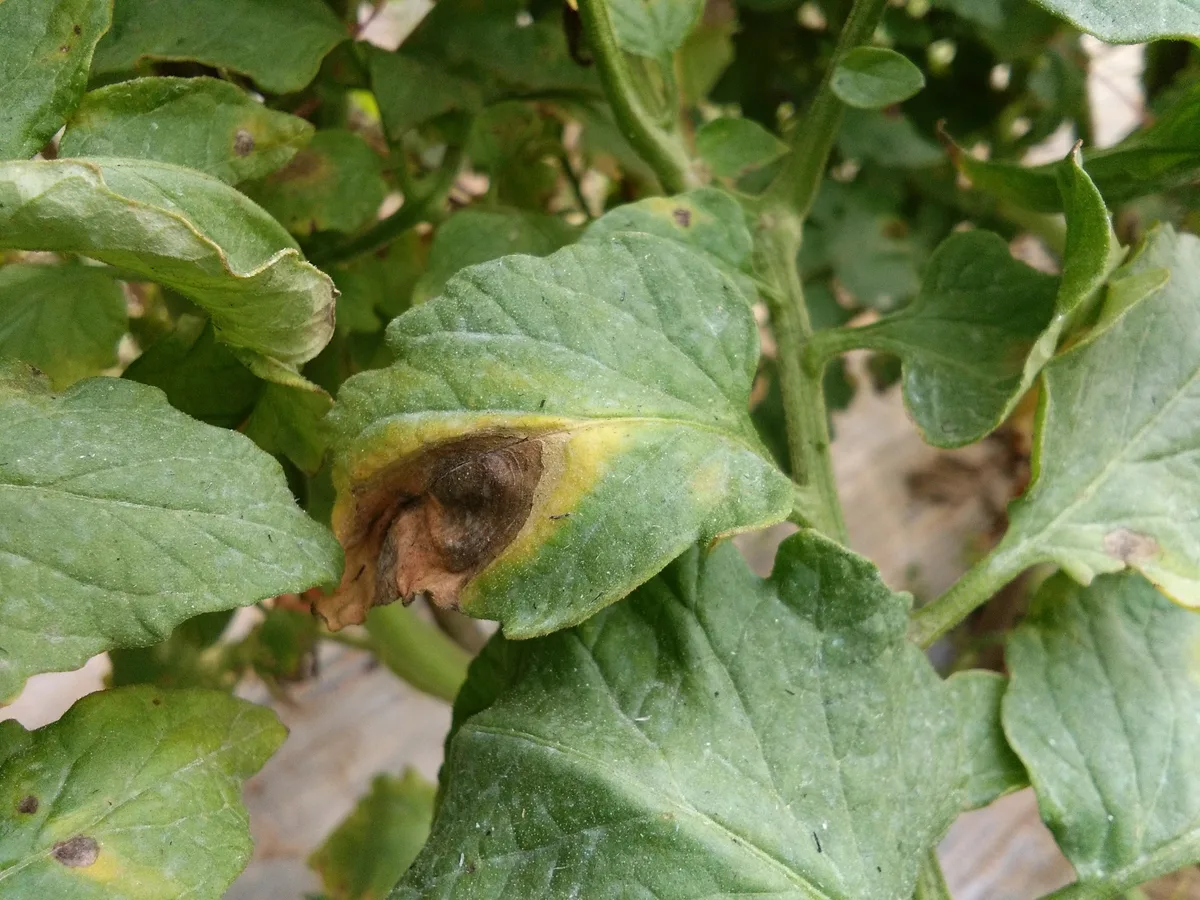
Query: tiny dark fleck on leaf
{"type": "Point", "coordinates": [683, 217]}
{"type": "Point", "coordinates": [28, 806]}
{"type": "Point", "coordinates": [542, 405]}
{"type": "Point", "coordinates": [561, 516]}
{"type": "Point", "coordinates": [243, 142]}
{"type": "Point", "coordinates": [77, 853]}
{"type": "Point", "coordinates": [470, 868]}
{"type": "Point", "coordinates": [65, 48]}
{"type": "Point", "coordinates": [817, 841]}
{"type": "Point", "coordinates": [157, 701]}
{"type": "Point", "coordinates": [77, 30]}
{"type": "Point", "coordinates": [361, 569]}
{"type": "Point", "coordinates": [789, 693]}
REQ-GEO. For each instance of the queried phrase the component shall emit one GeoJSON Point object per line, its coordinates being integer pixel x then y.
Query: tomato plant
{"type": "Point", "coordinates": [522, 310]}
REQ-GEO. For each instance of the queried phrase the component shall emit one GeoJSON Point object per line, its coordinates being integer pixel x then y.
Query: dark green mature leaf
{"type": "Point", "coordinates": [740, 737]}
{"type": "Point", "coordinates": [1014, 29]}
{"type": "Point", "coordinates": [201, 123]}
{"type": "Point", "coordinates": [183, 229]}
{"type": "Point", "coordinates": [875, 77]}
{"type": "Point", "coordinates": [132, 794]}
{"type": "Point", "coordinates": [120, 518]}
{"type": "Point", "coordinates": [475, 236]}
{"type": "Point", "coordinates": [1130, 21]}
{"type": "Point", "coordinates": [334, 184]}
{"type": "Point", "coordinates": [365, 857]}
{"type": "Point", "coordinates": [653, 28]}
{"type": "Point", "coordinates": [603, 389]}
{"type": "Point", "coordinates": [732, 147]}
{"type": "Point", "coordinates": [188, 658]}
{"type": "Point", "coordinates": [411, 91]}
{"type": "Point", "coordinates": [886, 138]}
{"type": "Point", "coordinates": [66, 320]}
{"type": "Point", "coordinates": [1158, 158]}
{"type": "Point", "coordinates": [224, 34]}
{"type": "Point", "coordinates": [1104, 709]}
{"type": "Point", "coordinates": [288, 421]}
{"type": "Point", "coordinates": [993, 769]}
{"type": "Point", "coordinates": [45, 51]}
{"type": "Point", "coordinates": [1116, 458]}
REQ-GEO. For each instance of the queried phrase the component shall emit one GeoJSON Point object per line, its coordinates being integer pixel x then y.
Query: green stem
{"type": "Point", "coordinates": [417, 651]}
{"type": "Point", "coordinates": [661, 149]}
{"type": "Point", "coordinates": [825, 345]}
{"type": "Point", "coordinates": [975, 588]}
{"type": "Point", "coordinates": [800, 178]}
{"type": "Point", "coordinates": [931, 883]}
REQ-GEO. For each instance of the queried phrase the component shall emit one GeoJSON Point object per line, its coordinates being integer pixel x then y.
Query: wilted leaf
{"type": "Point", "coordinates": [1130, 21]}
{"type": "Point", "coordinates": [552, 433]}
{"type": "Point", "coordinates": [120, 518]}
{"type": "Point", "coordinates": [1104, 710]}
{"type": "Point", "coordinates": [875, 77]}
{"type": "Point", "coordinates": [66, 320]}
{"type": "Point", "coordinates": [731, 147]}
{"type": "Point", "coordinates": [334, 184]}
{"type": "Point", "coordinates": [183, 229]}
{"type": "Point", "coordinates": [132, 794]}
{"type": "Point", "coordinates": [365, 857]}
{"type": "Point", "coordinates": [714, 735]}
{"type": "Point", "coordinates": [653, 28]}
{"type": "Point", "coordinates": [45, 52]}
{"type": "Point", "coordinates": [279, 44]}
{"type": "Point", "coordinates": [202, 123]}
{"type": "Point", "coordinates": [993, 769]}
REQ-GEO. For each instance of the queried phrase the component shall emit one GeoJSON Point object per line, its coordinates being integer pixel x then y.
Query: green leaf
{"type": "Point", "coordinates": [184, 230]}
{"type": "Point", "coordinates": [732, 147]}
{"type": "Point", "coordinates": [45, 52]}
{"type": "Point", "coordinates": [741, 737]}
{"type": "Point", "coordinates": [66, 320]}
{"type": "Point", "coordinates": [334, 184]}
{"type": "Point", "coordinates": [875, 77]}
{"type": "Point", "coordinates": [475, 236]}
{"type": "Point", "coordinates": [132, 794]}
{"type": "Point", "coordinates": [410, 91]}
{"type": "Point", "coordinates": [288, 421]}
{"type": "Point", "coordinates": [185, 659]}
{"type": "Point", "coordinates": [602, 392]}
{"type": "Point", "coordinates": [994, 770]}
{"type": "Point", "coordinates": [1115, 450]}
{"type": "Point", "coordinates": [365, 857]}
{"type": "Point", "coordinates": [120, 518]}
{"type": "Point", "coordinates": [1104, 710]}
{"type": "Point", "coordinates": [1130, 21]}
{"type": "Point", "coordinates": [201, 123]}
{"type": "Point", "coordinates": [224, 34]}
{"type": "Point", "coordinates": [653, 28]}
{"type": "Point", "coordinates": [887, 138]}
{"type": "Point", "coordinates": [1154, 159]}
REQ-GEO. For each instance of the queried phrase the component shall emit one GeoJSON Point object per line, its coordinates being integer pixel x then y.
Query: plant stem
{"type": "Point", "coordinates": [931, 883]}
{"type": "Point", "coordinates": [661, 149]}
{"type": "Point", "coordinates": [975, 588]}
{"type": "Point", "coordinates": [800, 178]}
{"type": "Point", "coordinates": [417, 651]}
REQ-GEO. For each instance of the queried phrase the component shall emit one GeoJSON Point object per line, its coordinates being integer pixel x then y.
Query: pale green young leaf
{"type": "Point", "coordinates": [202, 123]}
{"type": "Point", "coordinates": [65, 320]}
{"type": "Point", "coordinates": [45, 52]}
{"type": "Point", "coordinates": [714, 735]}
{"type": "Point", "coordinates": [875, 77]}
{"type": "Point", "coordinates": [121, 517]}
{"type": "Point", "coordinates": [1130, 21]}
{"type": "Point", "coordinates": [365, 857]}
{"type": "Point", "coordinates": [993, 770]}
{"type": "Point", "coordinates": [653, 28]}
{"type": "Point", "coordinates": [1104, 710]}
{"type": "Point", "coordinates": [224, 34]}
{"type": "Point", "coordinates": [732, 147]}
{"type": "Point", "coordinates": [132, 794]}
{"type": "Point", "coordinates": [606, 386]}
{"type": "Point", "coordinates": [183, 229]}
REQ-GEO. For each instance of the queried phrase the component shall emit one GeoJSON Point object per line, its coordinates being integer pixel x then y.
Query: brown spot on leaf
{"type": "Point", "coordinates": [1130, 547]}
{"type": "Point", "coordinates": [77, 30]}
{"type": "Point", "coordinates": [682, 216]}
{"type": "Point", "coordinates": [77, 853]}
{"type": "Point", "coordinates": [28, 806]}
{"type": "Point", "coordinates": [65, 48]}
{"type": "Point", "coordinates": [243, 142]}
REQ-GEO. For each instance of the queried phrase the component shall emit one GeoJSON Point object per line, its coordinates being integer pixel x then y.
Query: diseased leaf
{"type": "Point", "coordinates": [1130, 21]}
{"type": "Point", "coordinates": [732, 147]}
{"type": "Point", "coordinates": [653, 28]}
{"type": "Point", "coordinates": [288, 421]}
{"type": "Point", "coordinates": [1104, 710]}
{"type": "Point", "coordinates": [66, 320]}
{"type": "Point", "coordinates": [588, 406]}
{"type": "Point", "coordinates": [993, 769]}
{"type": "Point", "coordinates": [132, 794]}
{"type": "Point", "coordinates": [184, 230]}
{"type": "Point", "coordinates": [875, 77]}
{"type": "Point", "coordinates": [224, 34]}
{"type": "Point", "coordinates": [334, 184]}
{"type": "Point", "coordinates": [731, 736]}
{"type": "Point", "coordinates": [45, 52]}
{"type": "Point", "coordinates": [120, 518]}
{"type": "Point", "coordinates": [202, 123]}
{"type": "Point", "coordinates": [365, 857]}
{"type": "Point", "coordinates": [1115, 451]}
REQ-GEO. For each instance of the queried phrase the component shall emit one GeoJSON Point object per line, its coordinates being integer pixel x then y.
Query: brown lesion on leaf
{"type": "Point", "coordinates": [28, 805]}
{"type": "Point", "coordinates": [430, 523]}
{"type": "Point", "coordinates": [77, 853]}
{"type": "Point", "coordinates": [1130, 547]}
{"type": "Point", "coordinates": [682, 216]}
{"type": "Point", "coordinates": [243, 142]}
